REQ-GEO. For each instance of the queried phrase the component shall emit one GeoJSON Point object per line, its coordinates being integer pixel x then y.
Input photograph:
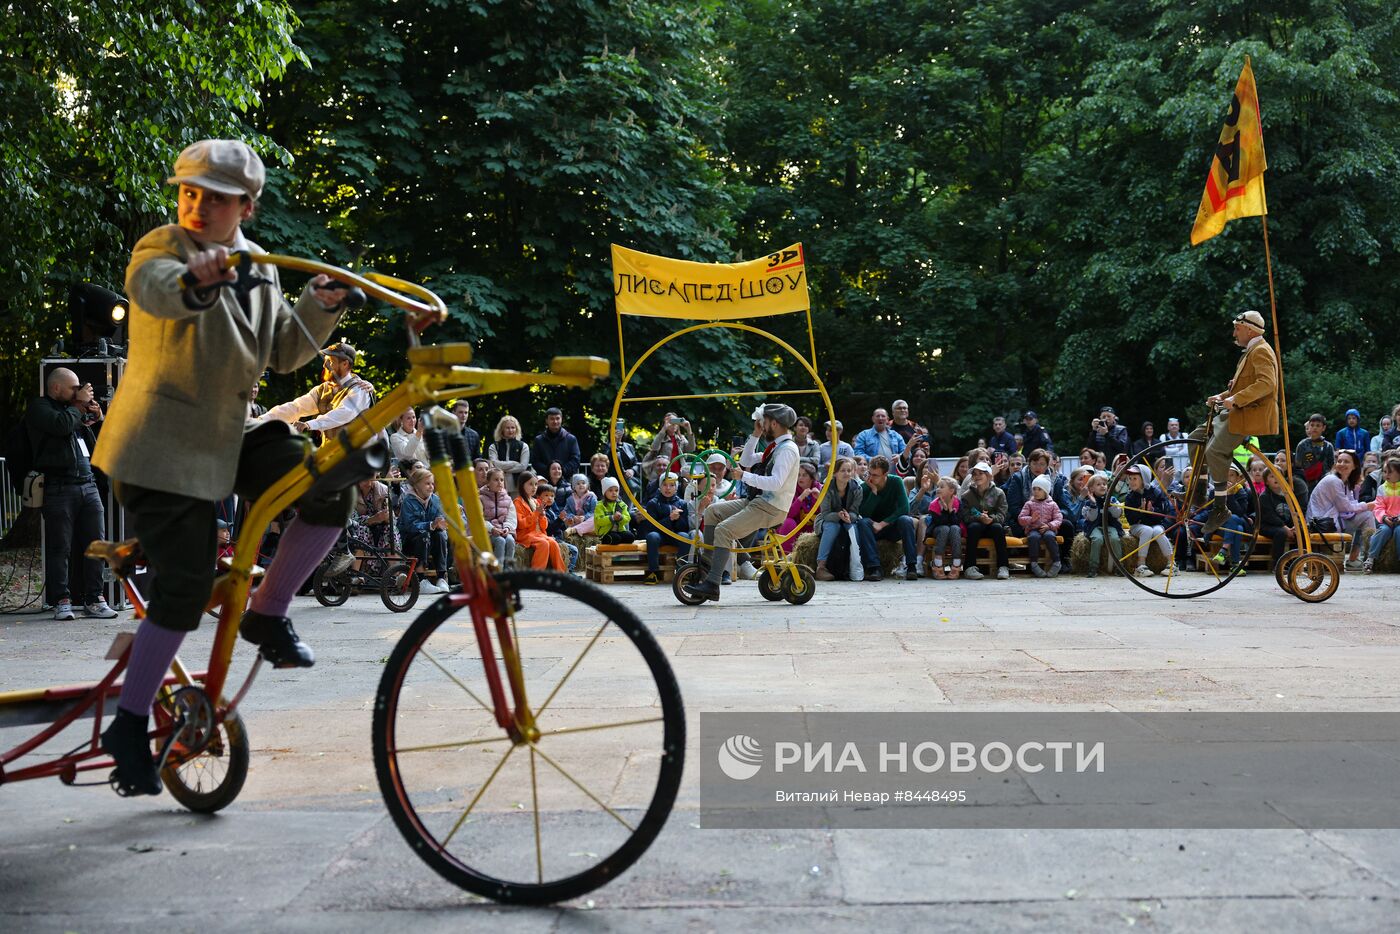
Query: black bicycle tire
{"type": "Point", "coordinates": [1148, 456]}
{"type": "Point", "coordinates": [390, 574]}
{"type": "Point", "coordinates": [766, 589]}
{"type": "Point", "coordinates": [668, 779]}
{"type": "Point", "coordinates": [324, 596]}
{"type": "Point", "coordinates": [683, 572]}
{"type": "Point", "coordinates": [236, 745]}
{"type": "Point", "coordinates": [799, 573]}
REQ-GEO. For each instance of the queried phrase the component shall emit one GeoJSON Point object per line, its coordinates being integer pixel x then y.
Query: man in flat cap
{"type": "Point", "coordinates": [196, 348]}
{"type": "Point", "coordinates": [770, 475]}
{"type": "Point", "coordinates": [1249, 406]}
{"type": "Point", "coordinates": [335, 401]}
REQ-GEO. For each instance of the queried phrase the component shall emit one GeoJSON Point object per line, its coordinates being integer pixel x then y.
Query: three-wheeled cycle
{"type": "Point", "coordinates": [528, 733]}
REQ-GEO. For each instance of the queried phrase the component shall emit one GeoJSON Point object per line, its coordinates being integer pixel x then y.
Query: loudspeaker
{"type": "Point", "coordinates": [104, 373]}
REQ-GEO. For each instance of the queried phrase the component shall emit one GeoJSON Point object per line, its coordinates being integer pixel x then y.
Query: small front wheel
{"type": "Point", "coordinates": [766, 587]}
{"type": "Point", "coordinates": [799, 584]}
{"type": "Point", "coordinates": [1313, 577]}
{"type": "Point", "coordinates": [1282, 566]}
{"type": "Point", "coordinates": [330, 589]}
{"type": "Point", "coordinates": [687, 576]}
{"type": "Point", "coordinates": [398, 588]}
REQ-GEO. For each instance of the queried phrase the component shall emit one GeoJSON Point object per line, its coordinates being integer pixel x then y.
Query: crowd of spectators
{"type": "Point", "coordinates": [538, 492]}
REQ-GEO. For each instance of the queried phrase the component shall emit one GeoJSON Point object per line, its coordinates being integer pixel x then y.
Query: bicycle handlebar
{"type": "Point", "coordinates": [430, 310]}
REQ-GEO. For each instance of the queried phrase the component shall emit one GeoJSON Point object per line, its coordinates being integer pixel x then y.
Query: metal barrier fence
{"type": "Point", "coordinates": [9, 501]}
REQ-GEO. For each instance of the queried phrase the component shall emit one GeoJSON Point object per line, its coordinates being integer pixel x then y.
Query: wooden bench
{"type": "Point", "coordinates": [1016, 551]}
{"type": "Point", "coordinates": [613, 564]}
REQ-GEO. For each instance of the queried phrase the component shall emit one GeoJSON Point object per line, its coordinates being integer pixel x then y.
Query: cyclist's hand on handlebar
{"type": "Point", "coordinates": [327, 291]}
{"type": "Point", "coordinates": [210, 267]}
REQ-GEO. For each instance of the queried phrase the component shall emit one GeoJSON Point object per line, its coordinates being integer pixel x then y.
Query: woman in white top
{"type": "Point", "coordinates": [509, 454]}
{"type": "Point", "coordinates": [406, 439]}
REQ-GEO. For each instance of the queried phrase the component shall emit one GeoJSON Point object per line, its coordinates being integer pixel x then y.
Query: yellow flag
{"type": "Point", "coordinates": [1235, 184]}
{"type": "Point", "coordinates": [661, 287]}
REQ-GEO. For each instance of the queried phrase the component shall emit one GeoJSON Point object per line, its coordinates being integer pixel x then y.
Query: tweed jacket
{"type": "Point", "coordinates": [177, 420]}
{"type": "Point", "coordinates": [1255, 391]}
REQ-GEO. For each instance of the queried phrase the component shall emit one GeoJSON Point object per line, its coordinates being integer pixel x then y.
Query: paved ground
{"type": "Point", "coordinates": [308, 845]}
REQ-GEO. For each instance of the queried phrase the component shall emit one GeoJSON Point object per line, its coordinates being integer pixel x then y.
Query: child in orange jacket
{"type": "Point", "coordinates": [532, 527]}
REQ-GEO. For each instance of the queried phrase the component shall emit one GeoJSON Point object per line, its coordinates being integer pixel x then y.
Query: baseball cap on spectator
{"type": "Point", "coordinates": [983, 466]}
{"type": "Point", "coordinates": [838, 424]}
{"type": "Point", "coordinates": [1030, 416]}
{"type": "Point", "coordinates": [221, 524]}
{"type": "Point", "coordinates": [1107, 408]}
{"type": "Point", "coordinates": [342, 350]}
{"type": "Point", "coordinates": [717, 458]}
{"type": "Point", "coordinates": [1145, 472]}
{"type": "Point", "coordinates": [228, 166]}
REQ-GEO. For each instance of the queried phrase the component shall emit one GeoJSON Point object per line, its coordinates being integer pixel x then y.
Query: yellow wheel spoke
{"type": "Point", "coordinates": [602, 726]}
{"type": "Point", "coordinates": [594, 798]}
{"type": "Point", "coordinates": [586, 649]}
{"type": "Point", "coordinates": [535, 800]}
{"type": "Point", "coordinates": [457, 745]}
{"type": "Point", "coordinates": [477, 797]}
{"type": "Point", "coordinates": [455, 680]}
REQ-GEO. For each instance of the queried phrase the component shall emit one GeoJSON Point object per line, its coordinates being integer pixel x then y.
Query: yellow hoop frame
{"type": "Point", "coordinates": [811, 369]}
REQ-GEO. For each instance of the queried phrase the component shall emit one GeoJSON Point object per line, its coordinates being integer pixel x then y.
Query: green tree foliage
{"type": "Point", "coordinates": [493, 151]}
{"type": "Point", "coordinates": [95, 101]}
{"type": "Point", "coordinates": [997, 196]}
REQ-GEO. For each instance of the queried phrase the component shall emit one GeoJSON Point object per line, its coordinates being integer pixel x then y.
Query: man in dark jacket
{"type": "Point", "coordinates": [57, 425]}
{"type": "Point", "coordinates": [1034, 437]}
{"type": "Point", "coordinates": [463, 410]}
{"type": "Point", "coordinates": [554, 444]}
{"type": "Point", "coordinates": [1000, 439]}
{"type": "Point", "coordinates": [1107, 435]}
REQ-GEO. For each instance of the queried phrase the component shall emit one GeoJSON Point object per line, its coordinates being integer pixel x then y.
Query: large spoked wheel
{"type": "Point", "coordinates": [330, 589]}
{"type": "Point", "coordinates": [398, 588]}
{"type": "Point", "coordinates": [211, 778]}
{"type": "Point", "coordinates": [1181, 544]}
{"type": "Point", "coordinates": [799, 584]}
{"type": "Point", "coordinates": [687, 575]}
{"type": "Point", "coordinates": [544, 816]}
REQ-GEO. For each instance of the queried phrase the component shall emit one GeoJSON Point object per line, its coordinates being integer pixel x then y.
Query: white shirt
{"type": "Point", "coordinates": [407, 446]}
{"type": "Point", "coordinates": [780, 483]}
{"type": "Point", "coordinates": [355, 402]}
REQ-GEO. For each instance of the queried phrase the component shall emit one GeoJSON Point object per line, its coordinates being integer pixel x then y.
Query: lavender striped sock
{"type": "Point", "coordinates": [151, 655]}
{"type": "Point", "coordinates": [300, 549]}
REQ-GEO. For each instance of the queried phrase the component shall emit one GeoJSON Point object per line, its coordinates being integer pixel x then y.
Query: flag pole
{"type": "Point", "coordinates": [1278, 348]}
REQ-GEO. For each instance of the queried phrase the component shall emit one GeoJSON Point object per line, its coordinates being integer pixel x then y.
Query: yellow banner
{"type": "Point", "coordinates": [1235, 184]}
{"type": "Point", "coordinates": [661, 287]}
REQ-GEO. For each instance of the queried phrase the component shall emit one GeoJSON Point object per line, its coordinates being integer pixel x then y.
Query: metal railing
{"type": "Point", "coordinates": [9, 501]}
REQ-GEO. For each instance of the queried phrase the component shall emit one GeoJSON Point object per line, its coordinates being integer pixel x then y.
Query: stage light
{"type": "Point", "coordinates": [98, 317]}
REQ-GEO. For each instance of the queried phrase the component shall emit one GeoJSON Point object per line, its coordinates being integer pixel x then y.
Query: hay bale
{"type": "Point", "coordinates": [805, 552]}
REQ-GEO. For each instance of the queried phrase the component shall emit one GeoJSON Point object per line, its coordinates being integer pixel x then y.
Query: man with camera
{"type": "Point", "coordinates": [770, 476]}
{"type": "Point", "coordinates": [1105, 434]}
{"type": "Point", "coordinates": [675, 438]}
{"type": "Point", "coordinates": [57, 423]}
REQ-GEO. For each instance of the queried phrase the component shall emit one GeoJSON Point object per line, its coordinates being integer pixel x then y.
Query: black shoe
{"type": "Point", "coordinates": [705, 589]}
{"type": "Point", "coordinates": [1219, 512]}
{"type": "Point", "coordinates": [127, 742]}
{"type": "Point", "coordinates": [873, 574]}
{"type": "Point", "coordinates": [277, 640]}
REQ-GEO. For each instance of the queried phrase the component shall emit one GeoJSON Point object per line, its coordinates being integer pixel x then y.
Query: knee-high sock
{"type": "Point", "coordinates": [151, 655]}
{"type": "Point", "coordinates": [302, 547]}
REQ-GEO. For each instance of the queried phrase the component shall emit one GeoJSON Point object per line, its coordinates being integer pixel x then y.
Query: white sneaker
{"type": "Point", "coordinates": [919, 567]}
{"type": "Point", "coordinates": [99, 610]}
{"type": "Point", "coordinates": [747, 572]}
{"type": "Point", "coordinates": [1003, 573]}
{"type": "Point", "coordinates": [972, 573]}
{"type": "Point", "coordinates": [64, 610]}
{"type": "Point", "coordinates": [1143, 571]}
{"type": "Point", "coordinates": [897, 574]}
{"type": "Point", "coordinates": [433, 586]}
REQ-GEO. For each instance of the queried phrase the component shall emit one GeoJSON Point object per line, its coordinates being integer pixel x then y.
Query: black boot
{"type": "Point", "coordinates": [126, 740]}
{"type": "Point", "coordinates": [706, 589]}
{"type": "Point", "coordinates": [1219, 512]}
{"type": "Point", "coordinates": [277, 640]}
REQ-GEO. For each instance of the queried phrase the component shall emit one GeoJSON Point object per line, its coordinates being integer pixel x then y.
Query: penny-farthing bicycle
{"type": "Point", "coordinates": [1197, 564]}
{"type": "Point", "coordinates": [719, 294]}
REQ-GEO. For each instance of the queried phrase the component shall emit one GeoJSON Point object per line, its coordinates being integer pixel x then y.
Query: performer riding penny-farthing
{"type": "Point", "coordinates": [770, 476]}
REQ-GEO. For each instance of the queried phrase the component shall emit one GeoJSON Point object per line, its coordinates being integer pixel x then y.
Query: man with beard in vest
{"type": "Point", "coordinates": [334, 402]}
